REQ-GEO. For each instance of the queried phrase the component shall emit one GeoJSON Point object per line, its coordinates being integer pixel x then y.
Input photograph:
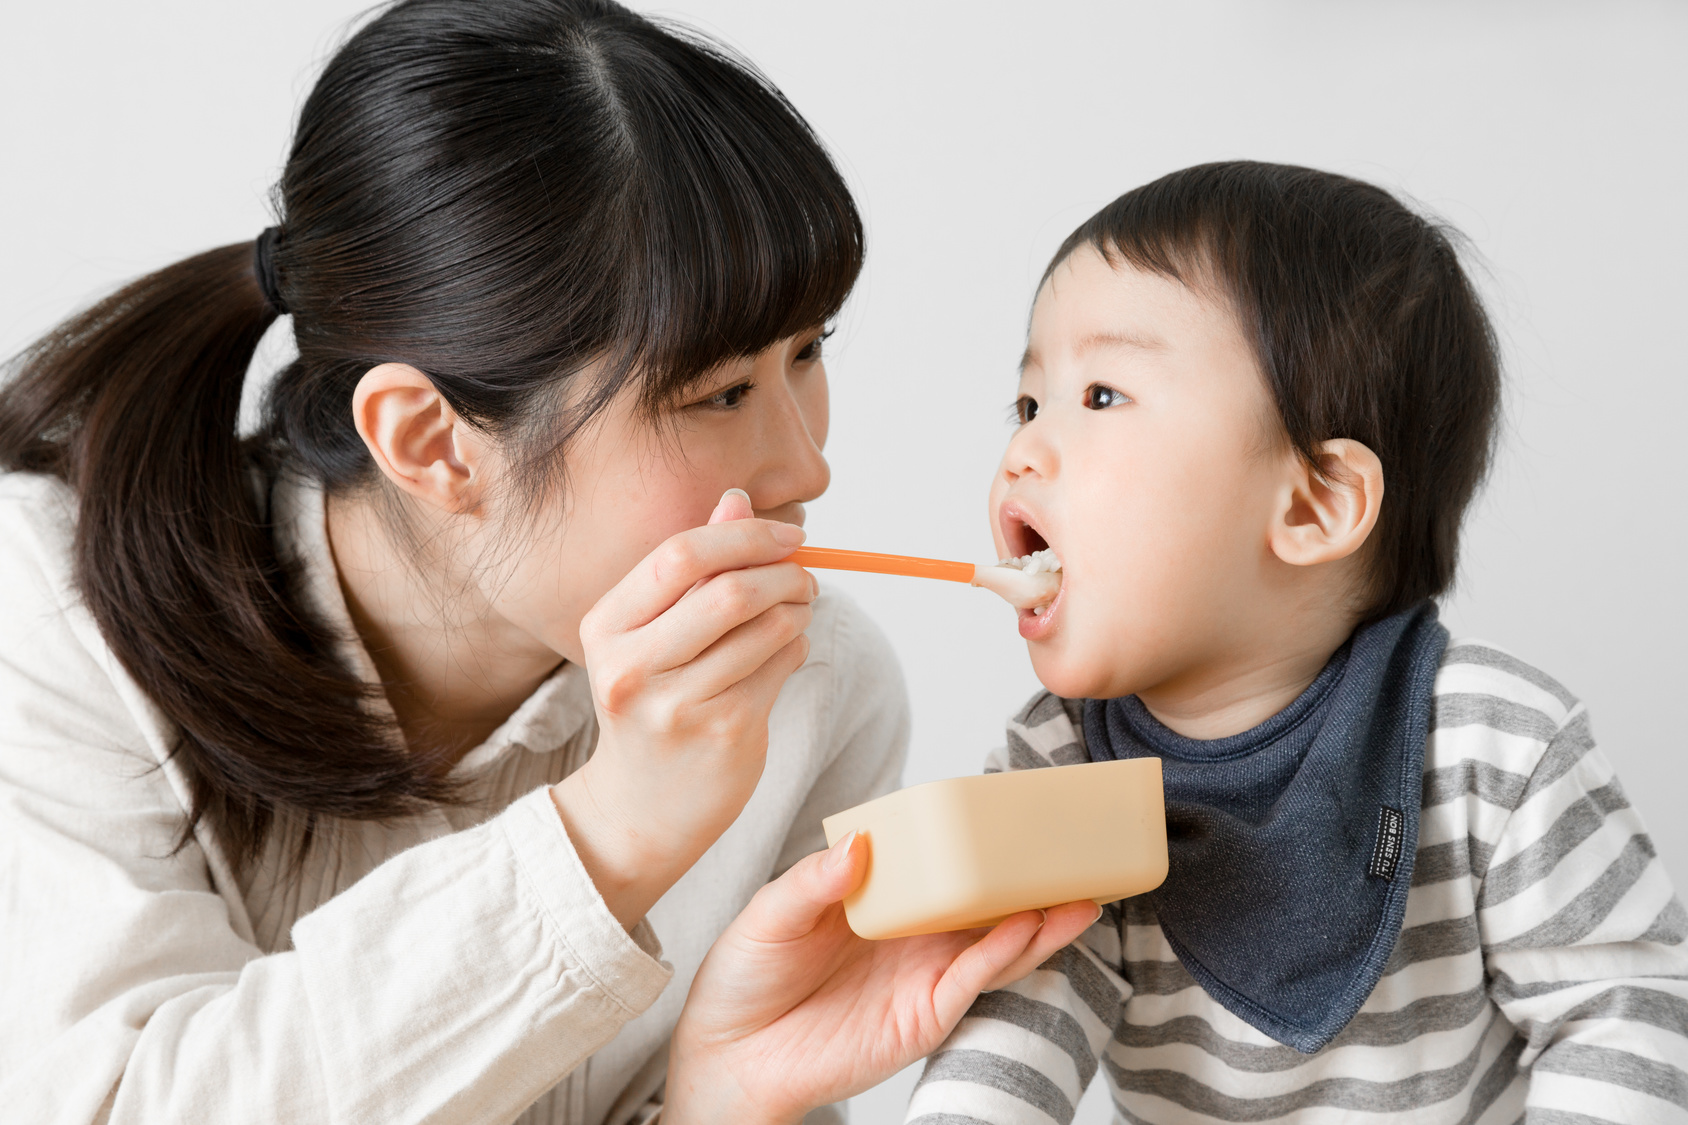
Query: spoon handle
{"type": "Point", "coordinates": [828, 558]}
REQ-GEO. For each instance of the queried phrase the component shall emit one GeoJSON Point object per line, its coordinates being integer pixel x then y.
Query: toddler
{"type": "Point", "coordinates": [1404, 884]}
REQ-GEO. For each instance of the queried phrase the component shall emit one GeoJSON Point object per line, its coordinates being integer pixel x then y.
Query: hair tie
{"type": "Point", "coordinates": [263, 267]}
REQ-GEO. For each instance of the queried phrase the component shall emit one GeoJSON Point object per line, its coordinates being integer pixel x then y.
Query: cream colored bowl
{"type": "Point", "coordinates": [969, 851]}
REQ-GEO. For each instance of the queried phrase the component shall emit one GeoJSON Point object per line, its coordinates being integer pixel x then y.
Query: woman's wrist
{"type": "Point", "coordinates": [621, 857]}
{"type": "Point", "coordinates": [708, 1095]}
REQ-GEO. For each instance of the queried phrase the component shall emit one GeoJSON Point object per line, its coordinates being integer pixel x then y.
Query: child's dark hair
{"type": "Point", "coordinates": [1364, 323]}
{"type": "Point", "coordinates": [513, 197]}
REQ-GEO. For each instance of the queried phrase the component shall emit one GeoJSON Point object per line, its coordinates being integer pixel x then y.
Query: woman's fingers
{"type": "Point", "coordinates": [736, 657]}
{"type": "Point", "coordinates": [1014, 948]}
{"type": "Point", "coordinates": [733, 505]}
{"type": "Point", "coordinates": [980, 963]}
{"type": "Point", "coordinates": [664, 576]}
{"type": "Point", "coordinates": [1061, 924]}
{"type": "Point", "coordinates": [696, 652]}
{"type": "Point", "coordinates": [709, 613]}
{"type": "Point", "coordinates": [718, 593]}
{"type": "Point", "coordinates": [789, 907]}
{"type": "Point", "coordinates": [759, 688]}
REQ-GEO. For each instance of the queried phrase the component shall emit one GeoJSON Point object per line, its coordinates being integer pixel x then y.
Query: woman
{"type": "Point", "coordinates": [352, 771]}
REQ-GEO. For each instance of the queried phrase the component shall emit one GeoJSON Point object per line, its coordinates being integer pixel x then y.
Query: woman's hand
{"type": "Point", "coordinates": [686, 656]}
{"type": "Point", "coordinates": [791, 1010]}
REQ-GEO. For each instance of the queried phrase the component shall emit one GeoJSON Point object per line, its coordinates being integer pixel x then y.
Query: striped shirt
{"type": "Point", "coordinates": [1541, 974]}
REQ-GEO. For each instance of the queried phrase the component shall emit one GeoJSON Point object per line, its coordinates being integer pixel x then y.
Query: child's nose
{"type": "Point", "coordinates": [1030, 453]}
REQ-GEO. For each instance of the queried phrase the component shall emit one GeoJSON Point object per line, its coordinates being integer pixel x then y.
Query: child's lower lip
{"type": "Point", "coordinates": [1037, 626]}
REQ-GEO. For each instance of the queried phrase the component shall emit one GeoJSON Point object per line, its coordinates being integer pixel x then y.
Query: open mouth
{"type": "Point", "coordinates": [1022, 537]}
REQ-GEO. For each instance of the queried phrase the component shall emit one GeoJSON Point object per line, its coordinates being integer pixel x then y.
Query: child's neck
{"type": "Point", "coordinates": [1248, 683]}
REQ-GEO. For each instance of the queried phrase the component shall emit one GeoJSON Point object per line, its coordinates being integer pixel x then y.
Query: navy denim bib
{"type": "Point", "coordinates": [1291, 845]}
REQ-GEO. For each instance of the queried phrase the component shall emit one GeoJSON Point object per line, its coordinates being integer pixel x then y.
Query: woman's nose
{"type": "Point", "coordinates": [804, 473]}
{"type": "Point", "coordinates": [793, 469]}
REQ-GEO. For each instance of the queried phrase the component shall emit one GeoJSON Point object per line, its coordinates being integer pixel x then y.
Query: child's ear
{"type": "Point", "coordinates": [1327, 512]}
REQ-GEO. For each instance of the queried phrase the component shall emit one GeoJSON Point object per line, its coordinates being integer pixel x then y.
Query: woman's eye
{"type": "Point", "coordinates": [1099, 397]}
{"type": "Point", "coordinates": [1025, 408]}
{"type": "Point", "coordinates": [812, 350]}
{"type": "Point", "coordinates": [730, 399]}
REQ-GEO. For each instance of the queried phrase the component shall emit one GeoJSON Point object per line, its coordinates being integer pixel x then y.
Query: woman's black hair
{"type": "Point", "coordinates": [515, 198]}
{"type": "Point", "coordinates": [1363, 323]}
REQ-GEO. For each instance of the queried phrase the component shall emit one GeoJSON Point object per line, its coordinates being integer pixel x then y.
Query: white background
{"type": "Point", "coordinates": [977, 136]}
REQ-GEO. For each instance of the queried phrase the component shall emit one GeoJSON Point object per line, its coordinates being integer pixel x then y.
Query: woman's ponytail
{"type": "Point", "coordinates": [135, 403]}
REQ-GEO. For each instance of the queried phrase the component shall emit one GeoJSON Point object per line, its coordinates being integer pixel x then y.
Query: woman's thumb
{"type": "Point", "coordinates": [790, 906]}
{"type": "Point", "coordinates": [839, 866]}
{"type": "Point", "coordinates": [733, 505]}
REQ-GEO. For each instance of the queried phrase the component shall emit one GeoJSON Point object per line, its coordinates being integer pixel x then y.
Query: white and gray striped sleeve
{"type": "Point", "coordinates": [1023, 1055]}
{"type": "Point", "coordinates": [1583, 939]}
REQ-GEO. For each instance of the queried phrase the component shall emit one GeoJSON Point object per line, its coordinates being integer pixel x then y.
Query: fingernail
{"type": "Point", "coordinates": [1097, 917]}
{"type": "Point", "coordinates": [725, 504]}
{"type": "Point", "coordinates": [1042, 917]}
{"type": "Point", "coordinates": [839, 853]}
{"type": "Point", "coordinates": [789, 535]}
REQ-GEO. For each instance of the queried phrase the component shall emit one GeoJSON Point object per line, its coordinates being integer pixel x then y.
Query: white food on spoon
{"type": "Point", "coordinates": [1028, 582]}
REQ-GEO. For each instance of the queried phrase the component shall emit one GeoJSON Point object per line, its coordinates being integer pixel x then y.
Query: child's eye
{"type": "Point", "coordinates": [1099, 397]}
{"type": "Point", "coordinates": [812, 350]}
{"type": "Point", "coordinates": [730, 399]}
{"type": "Point", "coordinates": [1025, 409]}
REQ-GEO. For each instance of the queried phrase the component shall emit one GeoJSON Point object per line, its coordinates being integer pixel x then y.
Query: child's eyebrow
{"type": "Point", "coordinates": [1095, 340]}
{"type": "Point", "coordinates": [1118, 340]}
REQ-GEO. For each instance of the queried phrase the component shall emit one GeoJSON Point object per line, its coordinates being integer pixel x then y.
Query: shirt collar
{"type": "Point", "coordinates": [547, 720]}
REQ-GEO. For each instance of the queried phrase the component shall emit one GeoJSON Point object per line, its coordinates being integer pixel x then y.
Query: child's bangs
{"type": "Point", "coordinates": [1180, 236]}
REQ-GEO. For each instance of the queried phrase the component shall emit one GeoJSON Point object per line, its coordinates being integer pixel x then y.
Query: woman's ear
{"type": "Point", "coordinates": [1328, 511]}
{"type": "Point", "coordinates": [417, 440]}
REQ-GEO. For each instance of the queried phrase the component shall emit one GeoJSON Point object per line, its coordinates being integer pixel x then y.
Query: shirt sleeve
{"type": "Point", "coordinates": [455, 983]}
{"type": "Point", "coordinates": [1583, 939]}
{"type": "Point", "coordinates": [1025, 1054]}
{"type": "Point", "coordinates": [865, 726]}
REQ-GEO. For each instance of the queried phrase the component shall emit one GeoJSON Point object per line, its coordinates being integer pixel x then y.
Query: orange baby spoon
{"type": "Point", "coordinates": [1022, 590]}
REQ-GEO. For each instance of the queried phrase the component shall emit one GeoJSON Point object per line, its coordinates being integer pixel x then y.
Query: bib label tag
{"type": "Point", "coordinates": [1386, 853]}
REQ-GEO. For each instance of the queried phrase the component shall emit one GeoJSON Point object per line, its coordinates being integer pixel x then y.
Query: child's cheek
{"type": "Point", "coordinates": [1073, 659]}
{"type": "Point", "coordinates": [1064, 666]}
{"type": "Point", "coordinates": [998, 490]}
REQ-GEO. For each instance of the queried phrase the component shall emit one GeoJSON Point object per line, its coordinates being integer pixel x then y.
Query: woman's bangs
{"type": "Point", "coordinates": [750, 234]}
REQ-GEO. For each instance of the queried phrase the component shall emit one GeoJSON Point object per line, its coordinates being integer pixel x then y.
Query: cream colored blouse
{"type": "Point", "coordinates": [454, 967]}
